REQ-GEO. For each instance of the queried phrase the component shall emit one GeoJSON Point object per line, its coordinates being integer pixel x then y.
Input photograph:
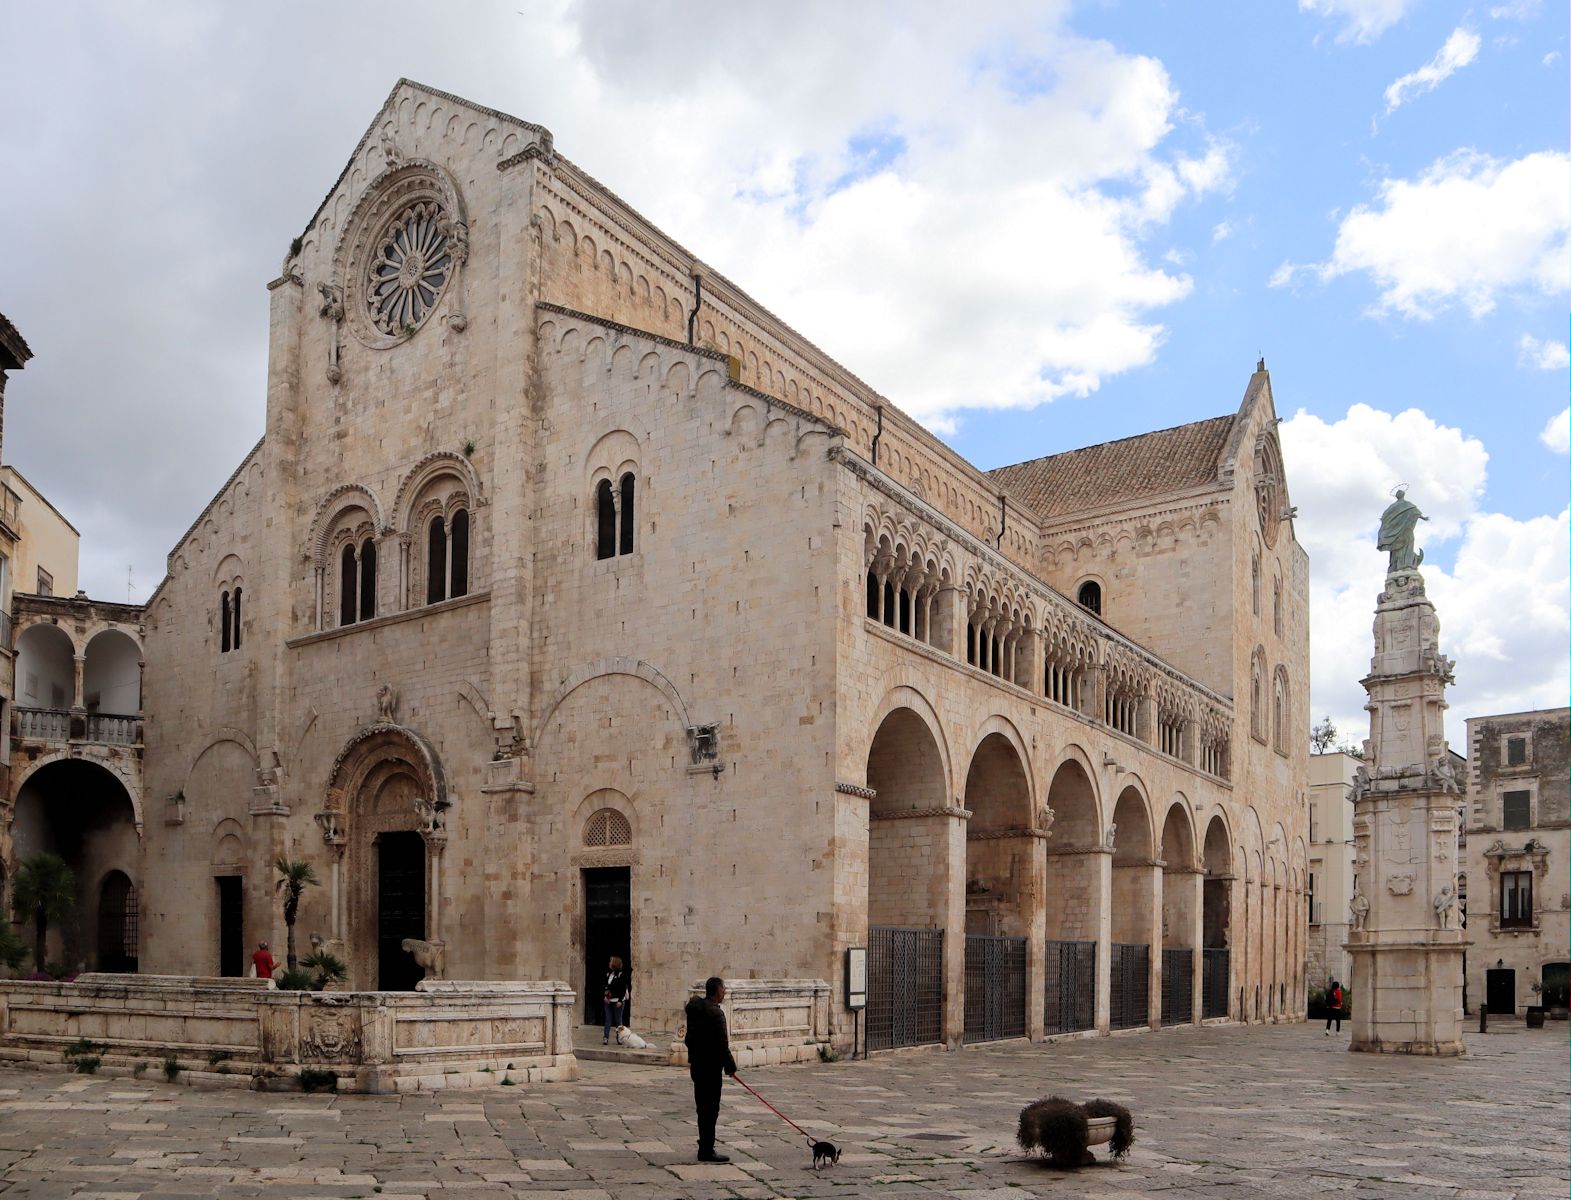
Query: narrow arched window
{"type": "Point", "coordinates": [970, 643]}
{"type": "Point", "coordinates": [458, 554]}
{"type": "Point", "coordinates": [873, 593]}
{"type": "Point", "coordinates": [889, 604]}
{"type": "Point", "coordinates": [348, 586]}
{"type": "Point", "coordinates": [605, 521]}
{"type": "Point", "coordinates": [235, 641]}
{"type": "Point", "coordinates": [625, 537]}
{"type": "Point", "coordinates": [1090, 596]}
{"type": "Point", "coordinates": [436, 561]}
{"type": "Point", "coordinates": [223, 636]}
{"type": "Point", "coordinates": [905, 611]}
{"type": "Point", "coordinates": [367, 579]}
{"type": "Point", "coordinates": [1254, 583]}
{"type": "Point", "coordinates": [1276, 606]}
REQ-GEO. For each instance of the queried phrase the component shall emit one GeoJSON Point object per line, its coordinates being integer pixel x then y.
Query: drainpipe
{"type": "Point", "coordinates": [1003, 515]}
{"type": "Point", "coordinates": [698, 298]}
{"type": "Point", "coordinates": [879, 409]}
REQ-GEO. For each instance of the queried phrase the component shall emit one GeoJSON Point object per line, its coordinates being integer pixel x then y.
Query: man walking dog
{"type": "Point", "coordinates": [708, 1054]}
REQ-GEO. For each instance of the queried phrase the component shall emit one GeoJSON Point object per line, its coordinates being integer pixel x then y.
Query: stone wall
{"type": "Point", "coordinates": [245, 1033]}
{"type": "Point", "coordinates": [771, 1021]}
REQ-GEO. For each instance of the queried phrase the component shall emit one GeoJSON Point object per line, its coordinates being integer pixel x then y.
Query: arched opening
{"type": "Point", "coordinates": [458, 553]}
{"type": "Point", "coordinates": [237, 625]}
{"type": "Point", "coordinates": [1135, 876]}
{"type": "Point", "coordinates": [80, 811]}
{"type": "Point", "coordinates": [908, 883]}
{"type": "Point", "coordinates": [624, 543]}
{"type": "Point", "coordinates": [117, 923]}
{"type": "Point", "coordinates": [1216, 902]}
{"type": "Point", "coordinates": [224, 624]}
{"type": "Point", "coordinates": [45, 682]}
{"type": "Point", "coordinates": [1000, 864]}
{"type": "Point", "coordinates": [1072, 895]}
{"type": "Point", "coordinates": [1090, 596]}
{"type": "Point", "coordinates": [112, 675]}
{"type": "Point", "coordinates": [436, 560]}
{"type": "Point", "coordinates": [348, 585]}
{"type": "Point", "coordinates": [605, 520]}
{"type": "Point", "coordinates": [1181, 900]}
{"type": "Point", "coordinates": [367, 579]}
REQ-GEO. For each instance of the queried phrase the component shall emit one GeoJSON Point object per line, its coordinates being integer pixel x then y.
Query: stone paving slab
{"type": "Point", "coordinates": [1224, 1111]}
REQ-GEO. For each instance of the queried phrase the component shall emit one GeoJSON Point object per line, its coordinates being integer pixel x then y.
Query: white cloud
{"type": "Point", "coordinates": [1459, 50]}
{"type": "Point", "coordinates": [1518, 10]}
{"type": "Point", "coordinates": [1551, 58]}
{"type": "Point", "coordinates": [1363, 21]}
{"type": "Point", "coordinates": [1466, 230]}
{"type": "Point", "coordinates": [1504, 604]}
{"type": "Point", "coordinates": [1546, 355]}
{"type": "Point", "coordinates": [1557, 433]}
{"type": "Point", "coordinates": [1221, 232]}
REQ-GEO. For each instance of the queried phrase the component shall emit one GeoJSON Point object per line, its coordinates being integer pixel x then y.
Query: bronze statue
{"type": "Point", "coordinates": [1396, 533]}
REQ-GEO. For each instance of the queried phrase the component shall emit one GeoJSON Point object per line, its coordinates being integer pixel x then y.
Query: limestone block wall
{"type": "Point", "coordinates": [770, 1021]}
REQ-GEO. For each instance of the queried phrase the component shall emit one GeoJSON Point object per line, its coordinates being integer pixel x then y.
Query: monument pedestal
{"type": "Point", "coordinates": [1406, 955]}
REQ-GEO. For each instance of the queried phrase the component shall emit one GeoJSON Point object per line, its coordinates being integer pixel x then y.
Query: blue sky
{"type": "Point", "coordinates": [1034, 226]}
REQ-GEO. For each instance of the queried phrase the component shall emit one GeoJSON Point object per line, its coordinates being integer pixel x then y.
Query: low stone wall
{"type": "Point", "coordinates": [246, 1033]}
{"type": "Point", "coordinates": [771, 1021]}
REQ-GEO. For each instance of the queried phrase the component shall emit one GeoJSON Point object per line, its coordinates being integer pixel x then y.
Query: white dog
{"type": "Point", "coordinates": [626, 1037]}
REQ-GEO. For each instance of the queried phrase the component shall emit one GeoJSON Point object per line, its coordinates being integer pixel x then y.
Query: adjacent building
{"type": "Point", "coordinates": [1331, 876]}
{"type": "Point", "coordinates": [1517, 860]}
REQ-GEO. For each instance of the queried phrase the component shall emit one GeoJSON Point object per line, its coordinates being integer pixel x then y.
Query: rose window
{"type": "Point", "coordinates": [410, 269]}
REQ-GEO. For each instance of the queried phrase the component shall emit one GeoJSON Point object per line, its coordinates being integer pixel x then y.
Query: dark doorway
{"type": "Point", "coordinates": [400, 909]}
{"type": "Point", "coordinates": [1500, 992]}
{"type": "Point", "coordinates": [231, 925]}
{"type": "Point", "coordinates": [117, 924]}
{"type": "Point", "coordinates": [608, 930]}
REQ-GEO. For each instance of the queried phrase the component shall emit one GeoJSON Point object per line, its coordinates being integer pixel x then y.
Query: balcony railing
{"type": "Point", "coordinates": [55, 725]}
{"type": "Point", "coordinates": [43, 724]}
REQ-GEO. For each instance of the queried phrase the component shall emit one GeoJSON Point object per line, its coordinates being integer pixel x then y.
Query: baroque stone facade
{"type": "Point", "coordinates": [1516, 859]}
{"type": "Point", "coordinates": [572, 604]}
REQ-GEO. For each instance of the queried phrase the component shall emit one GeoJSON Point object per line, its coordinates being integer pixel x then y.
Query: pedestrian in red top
{"type": "Point", "coordinates": [262, 962]}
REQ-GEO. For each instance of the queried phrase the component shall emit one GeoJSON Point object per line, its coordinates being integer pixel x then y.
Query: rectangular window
{"type": "Point", "coordinates": [1516, 898]}
{"type": "Point", "coordinates": [1314, 910]}
{"type": "Point", "coordinates": [1314, 825]}
{"type": "Point", "coordinates": [1516, 751]}
{"type": "Point", "coordinates": [1516, 810]}
{"type": "Point", "coordinates": [46, 583]}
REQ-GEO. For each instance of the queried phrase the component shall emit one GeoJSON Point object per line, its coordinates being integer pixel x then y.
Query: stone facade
{"type": "Point", "coordinates": [572, 603]}
{"type": "Point", "coordinates": [1517, 857]}
{"type": "Point", "coordinates": [1331, 777]}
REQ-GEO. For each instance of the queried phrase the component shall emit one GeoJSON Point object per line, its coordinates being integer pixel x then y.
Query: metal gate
{"type": "Point", "coordinates": [1213, 982]}
{"type": "Point", "coordinates": [905, 987]}
{"type": "Point", "coordinates": [1130, 998]}
{"type": "Point", "coordinates": [995, 988]}
{"type": "Point", "coordinates": [1178, 985]}
{"type": "Point", "coordinates": [1070, 968]}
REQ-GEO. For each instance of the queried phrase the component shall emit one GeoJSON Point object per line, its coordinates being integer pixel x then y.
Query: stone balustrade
{"type": "Point", "coordinates": [771, 1021]}
{"type": "Point", "coordinates": [246, 1033]}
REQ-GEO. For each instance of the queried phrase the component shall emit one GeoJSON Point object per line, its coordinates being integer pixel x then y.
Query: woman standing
{"type": "Point", "coordinates": [618, 991]}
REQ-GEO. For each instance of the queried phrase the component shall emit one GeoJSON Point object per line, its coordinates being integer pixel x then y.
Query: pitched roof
{"type": "Point", "coordinates": [1149, 464]}
{"type": "Point", "coordinates": [14, 350]}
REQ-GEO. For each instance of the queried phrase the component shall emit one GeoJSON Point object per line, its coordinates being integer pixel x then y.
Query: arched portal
{"type": "Point", "coordinates": [1181, 883]}
{"type": "Point", "coordinates": [1216, 906]}
{"type": "Point", "coordinates": [45, 681]}
{"type": "Point", "coordinates": [1001, 866]}
{"type": "Point", "coordinates": [112, 674]}
{"type": "Point", "coordinates": [909, 882]}
{"type": "Point", "coordinates": [81, 811]}
{"type": "Point", "coordinates": [383, 823]}
{"type": "Point", "coordinates": [1136, 926]}
{"type": "Point", "coordinates": [1073, 889]}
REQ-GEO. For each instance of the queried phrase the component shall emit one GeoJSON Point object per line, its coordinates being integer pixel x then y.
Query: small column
{"type": "Point", "coordinates": [79, 664]}
{"type": "Point", "coordinates": [954, 827]}
{"type": "Point", "coordinates": [1197, 927]}
{"type": "Point", "coordinates": [1157, 943]}
{"type": "Point", "coordinates": [1102, 868]}
{"type": "Point", "coordinates": [1036, 936]}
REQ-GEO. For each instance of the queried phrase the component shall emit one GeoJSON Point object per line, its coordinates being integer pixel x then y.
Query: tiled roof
{"type": "Point", "coordinates": [1169, 460]}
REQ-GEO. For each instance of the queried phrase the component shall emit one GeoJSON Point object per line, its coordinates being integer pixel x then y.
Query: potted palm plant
{"type": "Point", "coordinates": [1535, 1012]}
{"type": "Point", "coordinates": [46, 891]}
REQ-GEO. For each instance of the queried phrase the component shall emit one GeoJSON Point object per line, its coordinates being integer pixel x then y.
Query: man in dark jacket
{"type": "Point", "coordinates": [708, 1053]}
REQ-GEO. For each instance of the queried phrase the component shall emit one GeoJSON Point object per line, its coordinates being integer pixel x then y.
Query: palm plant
{"type": "Point", "coordinates": [294, 876]}
{"type": "Point", "coordinates": [46, 891]}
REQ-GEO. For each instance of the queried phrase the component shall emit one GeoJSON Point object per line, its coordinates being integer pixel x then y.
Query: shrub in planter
{"type": "Point", "coordinates": [1058, 1128]}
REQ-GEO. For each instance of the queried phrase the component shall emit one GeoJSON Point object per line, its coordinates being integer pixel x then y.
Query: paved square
{"type": "Point", "coordinates": [1273, 1111]}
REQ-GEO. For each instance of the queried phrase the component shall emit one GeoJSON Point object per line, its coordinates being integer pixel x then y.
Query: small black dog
{"type": "Point", "coordinates": [825, 1152]}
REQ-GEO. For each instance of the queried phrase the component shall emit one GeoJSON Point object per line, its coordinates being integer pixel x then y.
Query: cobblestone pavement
{"type": "Point", "coordinates": [1271, 1111]}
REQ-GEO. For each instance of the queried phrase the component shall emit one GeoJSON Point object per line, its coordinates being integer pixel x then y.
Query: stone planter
{"type": "Point", "coordinates": [1535, 1017]}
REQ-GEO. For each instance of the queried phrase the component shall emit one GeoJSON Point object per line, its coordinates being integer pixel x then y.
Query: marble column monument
{"type": "Point", "coordinates": [1405, 944]}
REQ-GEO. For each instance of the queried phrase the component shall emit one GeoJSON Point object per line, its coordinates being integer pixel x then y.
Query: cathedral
{"type": "Point", "coordinates": [572, 604]}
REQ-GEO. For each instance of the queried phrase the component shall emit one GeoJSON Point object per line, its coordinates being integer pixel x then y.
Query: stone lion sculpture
{"type": "Point", "coordinates": [427, 955]}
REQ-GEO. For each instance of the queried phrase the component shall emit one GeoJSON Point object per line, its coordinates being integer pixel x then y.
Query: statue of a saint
{"type": "Point", "coordinates": [1396, 533]}
{"type": "Point", "coordinates": [1358, 908]}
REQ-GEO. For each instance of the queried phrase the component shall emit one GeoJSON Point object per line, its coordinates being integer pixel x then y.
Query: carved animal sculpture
{"type": "Point", "coordinates": [427, 956]}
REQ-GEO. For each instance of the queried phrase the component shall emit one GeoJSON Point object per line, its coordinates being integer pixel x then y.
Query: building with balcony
{"type": "Point", "coordinates": [1516, 860]}
{"type": "Point", "coordinates": [574, 605]}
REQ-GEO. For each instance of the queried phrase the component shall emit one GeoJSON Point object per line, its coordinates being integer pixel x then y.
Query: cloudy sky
{"type": "Point", "coordinates": [1034, 226]}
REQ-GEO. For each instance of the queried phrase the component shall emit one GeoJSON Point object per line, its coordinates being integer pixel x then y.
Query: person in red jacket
{"type": "Point", "coordinates": [1334, 1007]}
{"type": "Point", "coordinates": [263, 962]}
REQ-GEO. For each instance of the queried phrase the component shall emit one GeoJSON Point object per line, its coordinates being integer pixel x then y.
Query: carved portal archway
{"type": "Point", "coordinates": [384, 821]}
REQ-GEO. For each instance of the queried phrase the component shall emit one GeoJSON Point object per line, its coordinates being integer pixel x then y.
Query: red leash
{"type": "Point", "coordinates": [776, 1111]}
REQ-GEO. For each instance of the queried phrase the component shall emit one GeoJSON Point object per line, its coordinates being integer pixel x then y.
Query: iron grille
{"type": "Point", "coordinates": [1070, 970]}
{"type": "Point", "coordinates": [905, 987]}
{"type": "Point", "coordinates": [1130, 997]}
{"type": "Point", "coordinates": [1178, 985]}
{"type": "Point", "coordinates": [1213, 982]}
{"type": "Point", "coordinates": [995, 988]}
